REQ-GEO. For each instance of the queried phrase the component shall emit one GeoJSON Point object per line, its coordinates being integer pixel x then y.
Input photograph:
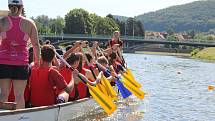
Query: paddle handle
{"type": "Point", "coordinates": [88, 63]}
{"type": "Point", "coordinates": [63, 60]}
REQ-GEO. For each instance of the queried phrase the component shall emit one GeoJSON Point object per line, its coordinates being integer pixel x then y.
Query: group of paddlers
{"type": "Point", "coordinates": [40, 76]}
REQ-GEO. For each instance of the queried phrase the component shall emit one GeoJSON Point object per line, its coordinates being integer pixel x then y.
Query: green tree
{"type": "Point", "coordinates": [170, 30]}
{"type": "Point", "coordinates": [134, 27]}
{"type": "Point", "coordinates": [210, 37]}
{"type": "Point", "coordinates": [106, 26]}
{"type": "Point", "coordinates": [57, 25]}
{"type": "Point", "coordinates": [200, 36]}
{"type": "Point", "coordinates": [95, 18]}
{"type": "Point", "coordinates": [191, 33]}
{"type": "Point", "coordinates": [78, 21]}
{"type": "Point", "coordinates": [171, 38]}
{"type": "Point", "coordinates": [42, 23]}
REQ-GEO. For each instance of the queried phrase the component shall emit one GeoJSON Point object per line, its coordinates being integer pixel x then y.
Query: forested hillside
{"type": "Point", "coordinates": [198, 16]}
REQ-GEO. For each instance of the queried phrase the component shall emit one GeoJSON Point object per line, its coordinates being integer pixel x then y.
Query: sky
{"type": "Point", "coordinates": [129, 8]}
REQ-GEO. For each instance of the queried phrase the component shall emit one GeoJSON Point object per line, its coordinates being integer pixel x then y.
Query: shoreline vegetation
{"type": "Point", "coordinates": [164, 53]}
{"type": "Point", "coordinates": [204, 54]}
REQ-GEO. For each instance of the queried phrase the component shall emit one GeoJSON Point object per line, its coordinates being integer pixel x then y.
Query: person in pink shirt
{"type": "Point", "coordinates": [15, 32]}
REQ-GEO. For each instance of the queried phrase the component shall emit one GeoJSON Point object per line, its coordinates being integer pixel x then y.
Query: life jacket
{"type": "Point", "coordinates": [42, 90]}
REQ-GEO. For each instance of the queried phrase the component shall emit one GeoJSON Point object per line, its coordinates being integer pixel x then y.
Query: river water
{"type": "Point", "coordinates": [176, 90]}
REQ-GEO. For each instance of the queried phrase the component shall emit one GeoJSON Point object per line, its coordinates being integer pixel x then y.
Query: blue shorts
{"type": "Point", "coordinates": [14, 72]}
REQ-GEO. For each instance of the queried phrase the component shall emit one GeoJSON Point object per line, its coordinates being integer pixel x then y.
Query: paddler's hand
{"type": "Point", "coordinates": [95, 44]}
{"type": "Point", "coordinates": [75, 76]}
{"type": "Point", "coordinates": [77, 44]}
{"type": "Point", "coordinates": [99, 77]}
{"type": "Point", "coordinates": [84, 44]}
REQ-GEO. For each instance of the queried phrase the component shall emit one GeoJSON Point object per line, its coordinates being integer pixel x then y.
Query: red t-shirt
{"type": "Point", "coordinates": [43, 82]}
{"type": "Point", "coordinates": [82, 88]}
{"type": "Point", "coordinates": [67, 74]}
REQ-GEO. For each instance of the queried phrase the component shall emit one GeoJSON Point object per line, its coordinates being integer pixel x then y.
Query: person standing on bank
{"type": "Point", "coordinates": [15, 31]}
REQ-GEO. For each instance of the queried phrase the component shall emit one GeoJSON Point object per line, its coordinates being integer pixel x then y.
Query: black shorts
{"type": "Point", "coordinates": [14, 72]}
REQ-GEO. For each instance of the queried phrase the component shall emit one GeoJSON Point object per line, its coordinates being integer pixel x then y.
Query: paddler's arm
{"type": "Point", "coordinates": [76, 45]}
{"type": "Point", "coordinates": [90, 76]}
{"type": "Point", "coordinates": [56, 79]}
{"type": "Point", "coordinates": [93, 49]}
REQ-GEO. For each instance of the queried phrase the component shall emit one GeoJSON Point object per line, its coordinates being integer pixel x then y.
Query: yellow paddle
{"type": "Point", "coordinates": [136, 91]}
{"type": "Point", "coordinates": [128, 72]}
{"type": "Point", "coordinates": [132, 79]}
{"type": "Point", "coordinates": [109, 88]}
{"type": "Point", "coordinates": [104, 101]}
{"type": "Point", "coordinates": [104, 86]}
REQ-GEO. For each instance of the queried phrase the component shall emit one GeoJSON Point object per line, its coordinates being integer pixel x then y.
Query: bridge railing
{"type": "Point", "coordinates": [122, 37]}
{"type": "Point", "coordinates": [89, 36]}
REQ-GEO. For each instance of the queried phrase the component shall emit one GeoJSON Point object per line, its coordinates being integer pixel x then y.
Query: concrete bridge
{"type": "Point", "coordinates": [130, 42]}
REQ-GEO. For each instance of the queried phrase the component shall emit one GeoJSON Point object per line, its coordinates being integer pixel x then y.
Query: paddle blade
{"type": "Point", "coordinates": [104, 101]}
{"type": "Point", "coordinates": [102, 89]}
{"type": "Point", "coordinates": [132, 80]}
{"type": "Point", "coordinates": [109, 88]}
{"type": "Point", "coordinates": [136, 91]}
{"type": "Point", "coordinates": [124, 92]}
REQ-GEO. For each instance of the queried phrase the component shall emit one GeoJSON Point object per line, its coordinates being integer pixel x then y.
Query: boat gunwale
{"type": "Point", "coordinates": [41, 108]}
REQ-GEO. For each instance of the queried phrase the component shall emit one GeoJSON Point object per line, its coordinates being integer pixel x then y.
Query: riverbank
{"type": "Point", "coordinates": [207, 54]}
{"type": "Point", "coordinates": [164, 53]}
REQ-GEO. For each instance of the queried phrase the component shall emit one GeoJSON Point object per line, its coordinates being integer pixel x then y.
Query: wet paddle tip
{"type": "Point", "coordinates": [210, 87]}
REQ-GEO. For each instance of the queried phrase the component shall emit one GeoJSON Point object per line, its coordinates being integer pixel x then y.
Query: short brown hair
{"type": "Point", "coordinates": [47, 53]}
{"type": "Point", "coordinates": [102, 60]}
{"type": "Point", "coordinates": [73, 57]}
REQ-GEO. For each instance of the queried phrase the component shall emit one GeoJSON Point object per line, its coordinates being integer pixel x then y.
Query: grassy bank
{"type": "Point", "coordinates": [207, 53]}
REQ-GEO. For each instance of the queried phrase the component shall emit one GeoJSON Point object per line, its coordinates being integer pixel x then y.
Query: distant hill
{"type": "Point", "coordinates": [120, 18]}
{"type": "Point", "coordinates": [199, 15]}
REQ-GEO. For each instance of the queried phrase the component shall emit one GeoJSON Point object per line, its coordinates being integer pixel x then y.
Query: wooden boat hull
{"type": "Point", "coordinates": [60, 112]}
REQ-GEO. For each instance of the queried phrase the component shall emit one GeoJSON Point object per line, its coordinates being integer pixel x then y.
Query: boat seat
{"type": "Point", "coordinates": [8, 105]}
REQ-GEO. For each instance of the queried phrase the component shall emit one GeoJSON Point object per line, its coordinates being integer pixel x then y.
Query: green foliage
{"type": "Point", "coordinates": [171, 38]}
{"type": "Point", "coordinates": [42, 23]}
{"type": "Point", "coordinates": [207, 53]}
{"type": "Point", "coordinates": [106, 26]}
{"type": "Point", "coordinates": [78, 21]}
{"type": "Point", "coordinates": [210, 37]}
{"type": "Point", "coordinates": [195, 51]}
{"type": "Point", "coordinates": [191, 33]}
{"type": "Point", "coordinates": [198, 15]}
{"type": "Point", "coordinates": [200, 36]}
{"type": "Point", "coordinates": [57, 25]}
